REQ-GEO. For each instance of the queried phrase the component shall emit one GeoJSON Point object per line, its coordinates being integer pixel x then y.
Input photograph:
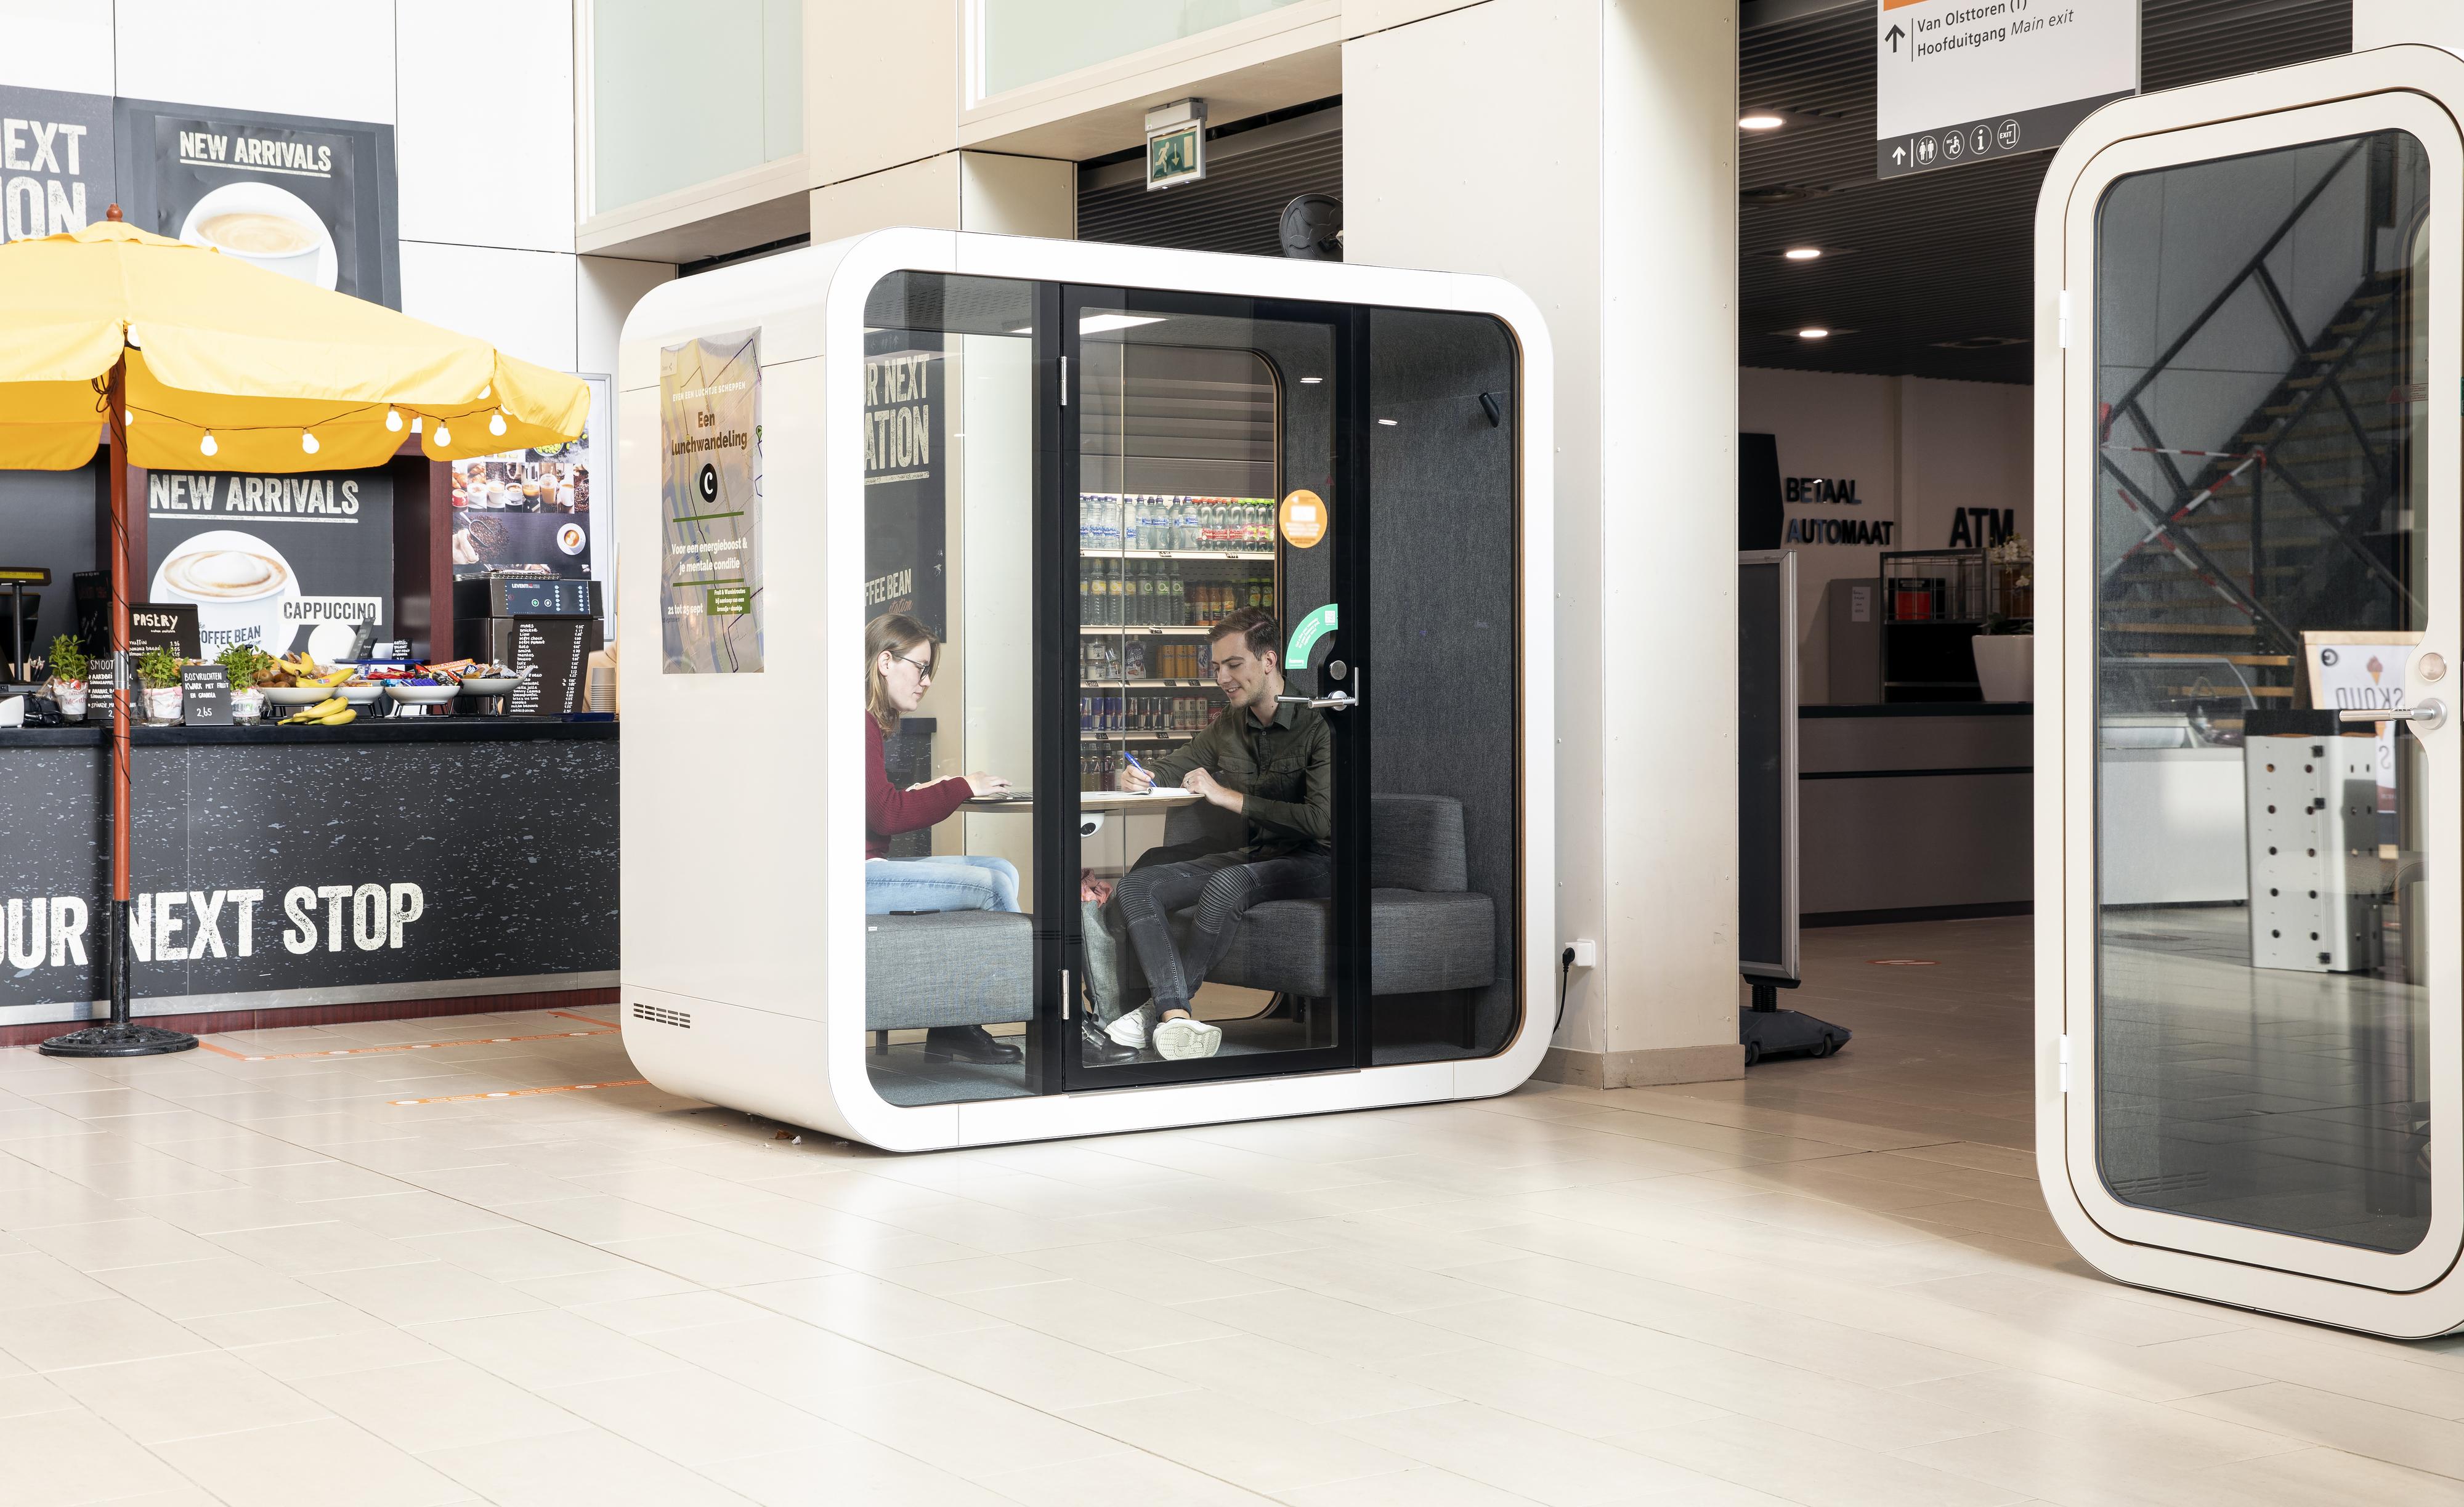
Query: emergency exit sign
{"type": "Point", "coordinates": [1957, 81]}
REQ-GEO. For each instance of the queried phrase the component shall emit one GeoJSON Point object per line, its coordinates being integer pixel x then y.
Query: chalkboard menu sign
{"type": "Point", "coordinates": [204, 696]}
{"type": "Point", "coordinates": [547, 653]}
{"type": "Point", "coordinates": [151, 625]}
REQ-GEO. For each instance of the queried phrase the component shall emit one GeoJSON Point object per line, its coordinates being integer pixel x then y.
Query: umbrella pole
{"type": "Point", "coordinates": [120, 1036]}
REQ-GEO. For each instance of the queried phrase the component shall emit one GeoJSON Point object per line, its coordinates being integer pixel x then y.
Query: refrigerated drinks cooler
{"type": "Point", "coordinates": [2247, 462]}
{"type": "Point", "coordinates": [1070, 462]}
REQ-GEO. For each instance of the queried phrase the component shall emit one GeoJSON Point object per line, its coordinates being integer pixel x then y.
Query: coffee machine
{"type": "Point", "coordinates": [545, 627]}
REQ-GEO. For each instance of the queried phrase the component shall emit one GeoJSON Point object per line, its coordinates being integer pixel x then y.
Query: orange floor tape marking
{"type": "Point", "coordinates": [522, 1093]}
{"type": "Point", "coordinates": [406, 1046]}
{"type": "Point", "coordinates": [593, 1019]}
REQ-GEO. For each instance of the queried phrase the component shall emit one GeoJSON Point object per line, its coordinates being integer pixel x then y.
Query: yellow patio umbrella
{"type": "Point", "coordinates": [201, 362]}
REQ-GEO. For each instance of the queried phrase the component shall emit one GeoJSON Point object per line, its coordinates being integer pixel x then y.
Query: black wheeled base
{"type": "Point", "coordinates": [1768, 1031]}
{"type": "Point", "coordinates": [119, 1040]}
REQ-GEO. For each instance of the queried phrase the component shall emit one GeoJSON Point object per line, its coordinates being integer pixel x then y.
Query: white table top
{"type": "Point", "coordinates": [1096, 801]}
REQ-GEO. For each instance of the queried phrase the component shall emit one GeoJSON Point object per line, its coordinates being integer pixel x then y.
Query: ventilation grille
{"type": "Point", "coordinates": [677, 1019]}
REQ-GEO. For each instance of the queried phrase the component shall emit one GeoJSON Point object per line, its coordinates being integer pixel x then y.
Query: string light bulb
{"type": "Point", "coordinates": [208, 444]}
{"type": "Point", "coordinates": [496, 422]}
{"type": "Point", "coordinates": [308, 441]}
{"type": "Point", "coordinates": [443, 435]}
{"type": "Point", "coordinates": [393, 420]}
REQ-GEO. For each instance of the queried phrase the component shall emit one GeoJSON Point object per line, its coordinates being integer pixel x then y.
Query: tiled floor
{"type": "Point", "coordinates": [261, 1278]}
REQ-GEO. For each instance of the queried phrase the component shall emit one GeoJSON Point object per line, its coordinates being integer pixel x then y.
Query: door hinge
{"type": "Point", "coordinates": [2066, 1062]}
{"type": "Point", "coordinates": [1064, 381]}
{"type": "Point", "coordinates": [2062, 320]}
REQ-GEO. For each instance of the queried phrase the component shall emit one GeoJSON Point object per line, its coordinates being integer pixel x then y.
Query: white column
{"type": "Point", "coordinates": [884, 85]}
{"type": "Point", "coordinates": [1586, 150]}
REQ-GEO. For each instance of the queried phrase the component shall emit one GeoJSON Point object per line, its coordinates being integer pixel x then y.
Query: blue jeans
{"type": "Point", "coordinates": [943, 881]}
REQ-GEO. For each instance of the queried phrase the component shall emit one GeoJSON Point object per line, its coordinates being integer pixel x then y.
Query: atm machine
{"type": "Point", "coordinates": [2249, 299]}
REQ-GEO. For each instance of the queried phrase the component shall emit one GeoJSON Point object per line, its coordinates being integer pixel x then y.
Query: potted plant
{"type": "Point", "coordinates": [247, 667]}
{"type": "Point", "coordinates": [69, 668]}
{"type": "Point", "coordinates": [158, 671]}
{"type": "Point", "coordinates": [2006, 647]}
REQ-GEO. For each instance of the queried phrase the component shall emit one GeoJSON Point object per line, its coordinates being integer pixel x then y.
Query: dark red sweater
{"type": "Point", "coordinates": [888, 810]}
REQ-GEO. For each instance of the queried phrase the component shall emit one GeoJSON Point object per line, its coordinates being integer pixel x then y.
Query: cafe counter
{"type": "Point", "coordinates": [1915, 811]}
{"type": "Point", "coordinates": [300, 875]}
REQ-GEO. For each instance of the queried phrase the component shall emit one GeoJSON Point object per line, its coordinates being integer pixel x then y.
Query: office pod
{"type": "Point", "coordinates": [1075, 687]}
{"type": "Point", "coordinates": [2247, 792]}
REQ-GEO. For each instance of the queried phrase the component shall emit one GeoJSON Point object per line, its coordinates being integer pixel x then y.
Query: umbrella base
{"type": "Point", "coordinates": [119, 1040]}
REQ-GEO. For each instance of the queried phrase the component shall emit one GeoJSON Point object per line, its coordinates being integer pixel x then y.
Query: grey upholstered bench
{"type": "Point", "coordinates": [949, 968]}
{"type": "Point", "coordinates": [1429, 931]}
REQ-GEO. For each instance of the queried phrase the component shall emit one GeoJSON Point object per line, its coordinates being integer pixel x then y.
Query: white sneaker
{"type": "Point", "coordinates": [1129, 1030]}
{"type": "Point", "coordinates": [1182, 1037]}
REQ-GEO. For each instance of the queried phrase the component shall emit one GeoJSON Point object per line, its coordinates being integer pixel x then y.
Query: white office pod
{"type": "Point", "coordinates": [1219, 587]}
{"type": "Point", "coordinates": [2247, 310]}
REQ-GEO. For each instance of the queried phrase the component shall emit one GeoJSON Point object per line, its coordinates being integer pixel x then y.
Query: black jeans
{"type": "Point", "coordinates": [1216, 889]}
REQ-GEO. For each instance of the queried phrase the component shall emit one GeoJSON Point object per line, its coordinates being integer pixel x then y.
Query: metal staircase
{"type": "Point", "coordinates": [2298, 526]}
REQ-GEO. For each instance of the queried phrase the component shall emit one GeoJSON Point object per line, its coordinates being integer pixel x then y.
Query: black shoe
{"type": "Point", "coordinates": [969, 1044]}
{"type": "Point", "coordinates": [1095, 1049]}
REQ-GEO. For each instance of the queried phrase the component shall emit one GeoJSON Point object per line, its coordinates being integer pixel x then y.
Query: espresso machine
{"type": "Point", "coordinates": [20, 637]}
{"type": "Point", "coordinates": [545, 627]}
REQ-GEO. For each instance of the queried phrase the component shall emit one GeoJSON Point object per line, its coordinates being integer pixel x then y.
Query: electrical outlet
{"type": "Point", "coordinates": [1587, 953]}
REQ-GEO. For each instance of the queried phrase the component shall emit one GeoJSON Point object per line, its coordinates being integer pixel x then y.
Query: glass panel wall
{"type": "Point", "coordinates": [950, 469]}
{"type": "Point", "coordinates": [1021, 42]}
{"type": "Point", "coordinates": [2261, 537]}
{"type": "Point", "coordinates": [677, 102]}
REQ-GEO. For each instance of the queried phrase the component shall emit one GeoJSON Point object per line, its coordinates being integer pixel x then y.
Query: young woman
{"type": "Point", "coordinates": [901, 658]}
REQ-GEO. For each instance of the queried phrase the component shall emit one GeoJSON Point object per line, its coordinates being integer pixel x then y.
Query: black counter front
{"type": "Point", "coordinates": [273, 866]}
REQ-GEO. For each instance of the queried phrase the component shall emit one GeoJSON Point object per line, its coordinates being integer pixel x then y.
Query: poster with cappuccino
{"type": "Point", "coordinates": [308, 198]}
{"type": "Point", "coordinates": [285, 563]}
{"type": "Point", "coordinates": [710, 505]}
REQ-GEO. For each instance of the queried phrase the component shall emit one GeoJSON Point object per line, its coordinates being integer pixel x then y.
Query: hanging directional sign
{"type": "Point", "coordinates": [1959, 81]}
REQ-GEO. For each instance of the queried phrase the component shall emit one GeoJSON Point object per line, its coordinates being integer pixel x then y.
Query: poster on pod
{"type": "Point", "coordinates": [710, 505]}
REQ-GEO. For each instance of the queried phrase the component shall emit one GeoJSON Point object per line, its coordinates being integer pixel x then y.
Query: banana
{"type": "Point", "coordinates": [319, 712]}
{"type": "Point", "coordinates": [347, 713]}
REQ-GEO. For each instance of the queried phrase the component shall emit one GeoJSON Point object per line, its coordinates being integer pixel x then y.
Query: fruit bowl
{"type": "Point", "coordinates": [299, 695]}
{"type": "Point", "coordinates": [421, 695]}
{"type": "Point", "coordinates": [489, 684]}
{"type": "Point", "coordinates": [360, 695]}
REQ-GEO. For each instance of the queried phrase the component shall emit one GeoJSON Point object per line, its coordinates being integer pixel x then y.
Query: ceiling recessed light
{"type": "Point", "coordinates": [1388, 423]}
{"type": "Point", "coordinates": [1311, 381]}
{"type": "Point", "coordinates": [1803, 254]}
{"type": "Point", "coordinates": [1760, 120]}
{"type": "Point", "coordinates": [1813, 332]}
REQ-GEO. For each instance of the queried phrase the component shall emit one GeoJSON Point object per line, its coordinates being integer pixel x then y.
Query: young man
{"type": "Point", "coordinates": [1270, 762]}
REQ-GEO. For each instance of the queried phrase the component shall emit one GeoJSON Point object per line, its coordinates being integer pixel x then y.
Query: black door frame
{"type": "Point", "coordinates": [1053, 1061]}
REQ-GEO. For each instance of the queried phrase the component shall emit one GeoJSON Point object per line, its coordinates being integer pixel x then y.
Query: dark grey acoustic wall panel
{"type": "Point", "coordinates": [1236, 206]}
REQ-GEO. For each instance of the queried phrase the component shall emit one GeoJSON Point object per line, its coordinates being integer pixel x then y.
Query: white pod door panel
{"type": "Point", "coordinates": [2249, 998]}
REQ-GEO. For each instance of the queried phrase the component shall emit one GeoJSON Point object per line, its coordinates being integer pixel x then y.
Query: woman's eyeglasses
{"type": "Point", "coordinates": [923, 669]}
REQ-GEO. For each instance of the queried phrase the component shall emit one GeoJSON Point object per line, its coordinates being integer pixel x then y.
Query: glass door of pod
{"type": "Point", "coordinates": [2259, 603]}
{"type": "Point", "coordinates": [1208, 789]}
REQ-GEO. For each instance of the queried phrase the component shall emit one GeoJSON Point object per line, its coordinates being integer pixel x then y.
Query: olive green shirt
{"type": "Point", "coordinates": [1284, 770]}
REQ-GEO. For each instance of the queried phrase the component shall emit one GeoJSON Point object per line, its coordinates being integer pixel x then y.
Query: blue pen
{"type": "Point", "coordinates": [1131, 760]}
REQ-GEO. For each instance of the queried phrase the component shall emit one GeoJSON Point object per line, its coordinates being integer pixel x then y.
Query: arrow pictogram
{"type": "Point", "coordinates": [1899, 156]}
{"type": "Point", "coordinates": [1893, 37]}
